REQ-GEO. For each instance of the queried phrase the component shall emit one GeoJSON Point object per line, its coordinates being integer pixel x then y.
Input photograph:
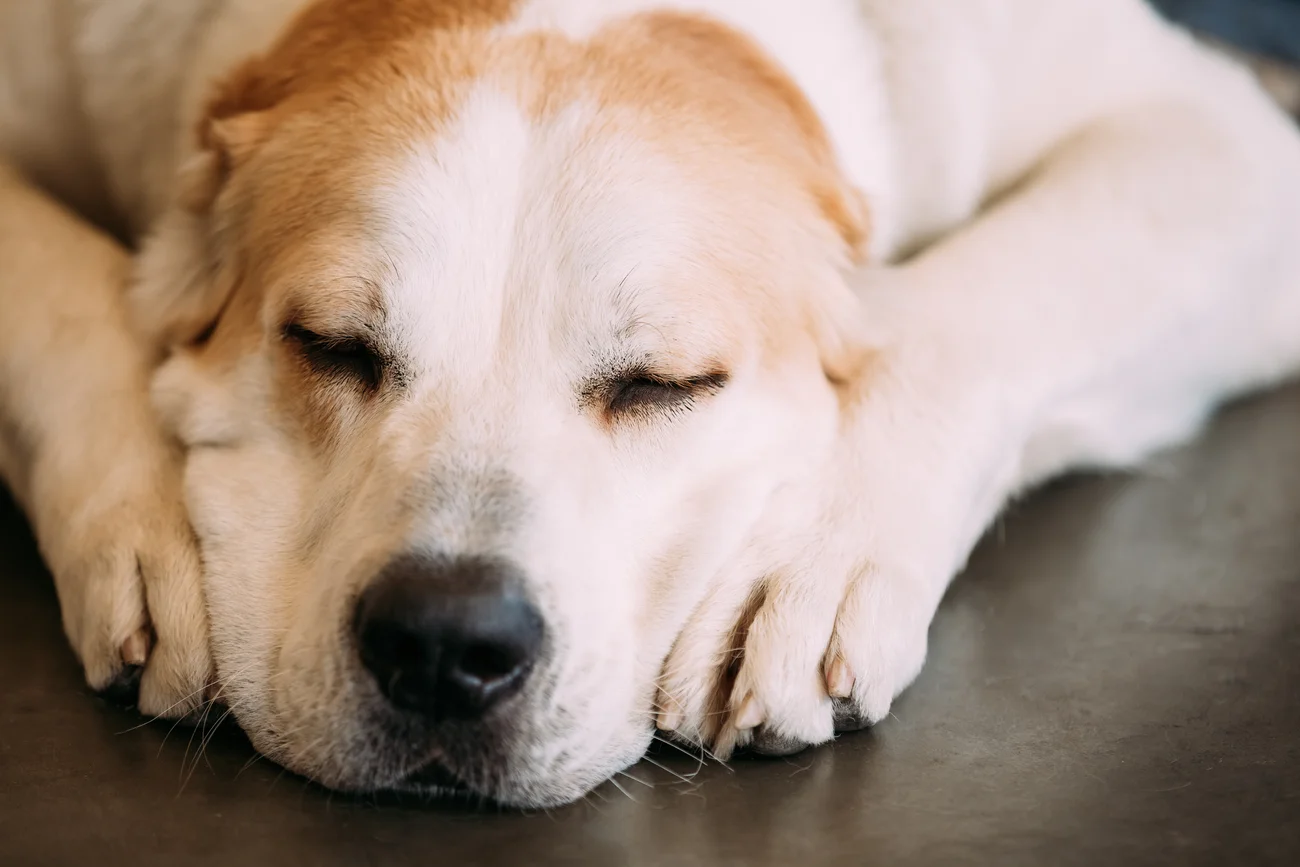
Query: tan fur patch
{"type": "Point", "coordinates": [716, 91]}
{"type": "Point", "coordinates": [332, 40]}
{"type": "Point", "coordinates": [690, 67]}
{"type": "Point", "coordinates": [359, 80]}
{"type": "Point", "coordinates": [684, 68]}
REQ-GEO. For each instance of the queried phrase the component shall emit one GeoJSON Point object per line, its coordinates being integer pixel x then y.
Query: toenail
{"type": "Point", "coordinates": [135, 650]}
{"type": "Point", "coordinates": [839, 680]}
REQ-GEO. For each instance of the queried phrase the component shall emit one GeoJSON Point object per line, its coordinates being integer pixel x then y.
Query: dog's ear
{"type": "Point", "coordinates": [844, 343]}
{"type": "Point", "coordinates": [225, 143]}
{"type": "Point", "coordinates": [183, 281]}
{"type": "Point", "coordinates": [751, 95]}
{"type": "Point", "coordinates": [180, 288]}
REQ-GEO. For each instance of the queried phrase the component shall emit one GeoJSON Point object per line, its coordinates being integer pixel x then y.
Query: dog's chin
{"type": "Point", "coordinates": [485, 782]}
{"type": "Point", "coordinates": [435, 780]}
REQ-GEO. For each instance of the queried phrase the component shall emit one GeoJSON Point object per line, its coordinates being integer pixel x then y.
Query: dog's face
{"type": "Point", "coordinates": [518, 339]}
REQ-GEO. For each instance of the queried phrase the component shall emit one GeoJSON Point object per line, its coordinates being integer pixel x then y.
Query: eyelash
{"type": "Point", "coordinates": [643, 393]}
{"type": "Point", "coordinates": [632, 394]}
{"type": "Point", "coordinates": [338, 356]}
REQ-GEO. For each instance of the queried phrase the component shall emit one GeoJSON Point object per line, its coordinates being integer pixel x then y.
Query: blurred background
{"type": "Point", "coordinates": [1264, 33]}
{"type": "Point", "coordinates": [1270, 27]}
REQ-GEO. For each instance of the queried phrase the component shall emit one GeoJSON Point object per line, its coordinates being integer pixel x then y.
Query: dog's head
{"type": "Point", "coordinates": [493, 348]}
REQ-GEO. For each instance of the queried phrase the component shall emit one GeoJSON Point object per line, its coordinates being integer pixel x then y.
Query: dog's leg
{"type": "Point", "coordinates": [1148, 270]}
{"type": "Point", "coordinates": [82, 453]}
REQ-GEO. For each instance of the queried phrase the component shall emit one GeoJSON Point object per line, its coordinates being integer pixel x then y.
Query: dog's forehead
{"type": "Point", "coordinates": [516, 239]}
{"type": "Point", "coordinates": [528, 198]}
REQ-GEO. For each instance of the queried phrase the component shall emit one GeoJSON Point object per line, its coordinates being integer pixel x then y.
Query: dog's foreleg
{"type": "Point", "coordinates": [1146, 272]}
{"type": "Point", "coordinates": [1148, 269]}
{"type": "Point", "coordinates": [81, 451]}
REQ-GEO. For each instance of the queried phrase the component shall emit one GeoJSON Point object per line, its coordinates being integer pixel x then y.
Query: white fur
{"type": "Point", "coordinates": [1143, 265]}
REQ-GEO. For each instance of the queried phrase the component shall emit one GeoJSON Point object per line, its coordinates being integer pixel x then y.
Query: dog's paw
{"type": "Point", "coordinates": [828, 620]}
{"type": "Point", "coordinates": [809, 653]}
{"type": "Point", "coordinates": [127, 570]}
{"type": "Point", "coordinates": [788, 695]}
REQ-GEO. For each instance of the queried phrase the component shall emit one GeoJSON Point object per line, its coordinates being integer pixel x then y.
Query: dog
{"type": "Point", "coordinates": [494, 383]}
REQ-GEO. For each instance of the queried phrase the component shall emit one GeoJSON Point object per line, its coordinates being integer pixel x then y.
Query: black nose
{"type": "Point", "coordinates": [449, 638]}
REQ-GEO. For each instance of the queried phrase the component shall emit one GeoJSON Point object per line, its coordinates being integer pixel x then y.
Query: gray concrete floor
{"type": "Point", "coordinates": [1116, 680]}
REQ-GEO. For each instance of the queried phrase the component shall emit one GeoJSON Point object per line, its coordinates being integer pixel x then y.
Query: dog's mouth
{"type": "Point", "coordinates": [435, 779]}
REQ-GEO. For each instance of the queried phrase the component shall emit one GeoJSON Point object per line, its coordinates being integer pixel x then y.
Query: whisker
{"type": "Point", "coordinates": [681, 749]}
{"type": "Point", "coordinates": [198, 727]}
{"type": "Point", "coordinates": [679, 776]}
{"type": "Point", "coordinates": [148, 720]}
{"type": "Point", "coordinates": [625, 792]}
{"type": "Point", "coordinates": [202, 751]}
{"type": "Point", "coordinates": [254, 759]}
{"type": "Point", "coordinates": [635, 779]}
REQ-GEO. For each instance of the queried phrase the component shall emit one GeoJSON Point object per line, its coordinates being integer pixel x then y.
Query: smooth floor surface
{"type": "Point", "coordinates": [1116, 680]}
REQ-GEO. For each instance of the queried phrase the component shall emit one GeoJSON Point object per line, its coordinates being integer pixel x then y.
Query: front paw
{"type": "Point", "coordinates": [828, 621]}
{"type": "Point", "coordinates": [127, 570]}
{"type": "Point", "coordinates": [811, 651]}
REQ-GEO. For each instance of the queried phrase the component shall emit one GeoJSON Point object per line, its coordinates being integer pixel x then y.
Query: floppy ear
{"type": "Point", "coordinates": [841, 334]}
{"type": "Point", "coordinates": [181, 286]}
{"type": "Point", "coordinates": [761, 101]}
{"type": "Point", "coordinates": [179, 289]}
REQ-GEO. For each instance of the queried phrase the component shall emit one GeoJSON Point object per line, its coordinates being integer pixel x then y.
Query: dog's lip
{"type": "Point", "coordinates": [436, 778]}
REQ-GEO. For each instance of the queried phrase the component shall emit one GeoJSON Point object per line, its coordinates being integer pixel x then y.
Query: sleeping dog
{"type": "Point", "coordinates": [495, 382]}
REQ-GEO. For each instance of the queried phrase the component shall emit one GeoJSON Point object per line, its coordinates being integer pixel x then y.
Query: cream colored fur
{"type": "Point", "coordinates": [1085, 235]}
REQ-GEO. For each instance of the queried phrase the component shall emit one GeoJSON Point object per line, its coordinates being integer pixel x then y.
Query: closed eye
{"type": "Point", "coordinates": [338, 357]}
{"type": "Point", "coordinates": [639, 393]}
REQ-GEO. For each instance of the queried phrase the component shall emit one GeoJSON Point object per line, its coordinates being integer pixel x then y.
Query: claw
{"type": "Point", "coordinates": [729, 740]}
{"type": "Point", "coordinates": [135, 649]}
{"type": "Point", "coordinates": [839, 679]}
{"type": "Point", "coordinates": [669, 719]}
{"type": "Point", "coordinates": [749, 715]}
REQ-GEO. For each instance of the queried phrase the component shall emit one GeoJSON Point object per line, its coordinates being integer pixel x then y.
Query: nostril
{"type": "Point", "coordinates": [397, 659]}
{"type": "Point", "coordinates": [488, 663]}
{"type": "Point", "coordinates": [447, 638]}
{"type": "Point", "coordinates": [480, 674]}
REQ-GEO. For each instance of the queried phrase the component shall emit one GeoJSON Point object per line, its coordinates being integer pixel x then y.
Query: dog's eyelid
{"type": "Point", "coordinates": [668, 372]}
{"type": "Point", "coordinates": [705, 381]}
{"type": "Point", "coordinates": [300, 333]}
{"type": "Point", "coordinates": [641, 389]}
{"type": "Point", "coordinates": [347, 354]}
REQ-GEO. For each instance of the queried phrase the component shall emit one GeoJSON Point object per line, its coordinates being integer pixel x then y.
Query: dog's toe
{"type": "Point", "coordinates": [178, 677]}
{"type": "Point", "coordinates": [134, 613]}
{"type": "Point", "coordinates": [786, 664]}
{"type": "Point", "coordinates": [823, 657]}
{"type": "Point", "coordinates": [779, 696]}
